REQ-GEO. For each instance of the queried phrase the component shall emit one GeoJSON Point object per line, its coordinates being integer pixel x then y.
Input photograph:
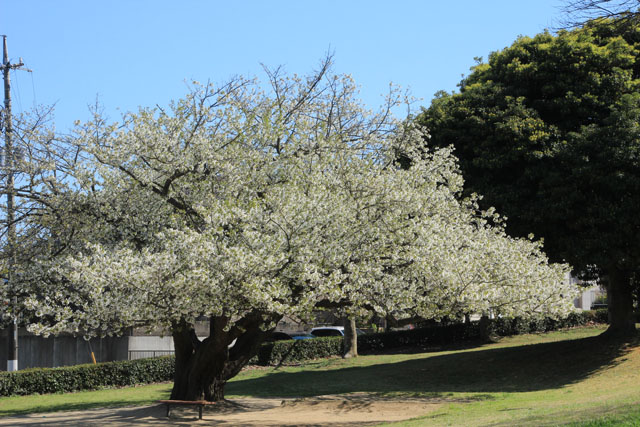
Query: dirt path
{"type": "Point", "coordinates": [351, 410]}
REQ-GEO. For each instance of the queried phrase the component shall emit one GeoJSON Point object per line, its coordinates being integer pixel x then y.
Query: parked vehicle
{"type": "Point", "coordinates": [331, 331]}
{"type": "Point", "coordinates": [283, 336]}
{"type": "Point", "coordinates": [302, 336]}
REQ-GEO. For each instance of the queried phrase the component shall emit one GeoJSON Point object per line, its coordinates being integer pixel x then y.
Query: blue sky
{"type": "Point", "coordinates": [131, 53]}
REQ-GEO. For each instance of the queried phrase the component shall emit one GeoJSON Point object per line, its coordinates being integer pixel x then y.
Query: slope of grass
{"type": "Point", "coordinates": [570, 376]}
{"type": "Point", "coordinates": [517, 364]}
{"type": "Point", "coordinates": [540, 387]}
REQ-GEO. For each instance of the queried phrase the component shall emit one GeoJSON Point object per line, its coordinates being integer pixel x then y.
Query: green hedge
{"type": "Point", "coordinates": [142, 371]}
{"type": "Point", "coordinates": [515, 326]}
{"type": "Point", "coordinates": [274, 353]}
{"type": "Point", "coordinates": [435, 335]}
{"type": "Point", "coordinates": [87, 377]}
{"type": "Point", "coordinates": [464, 332]}
{"type": "Point", "coordinates": [419, 337]}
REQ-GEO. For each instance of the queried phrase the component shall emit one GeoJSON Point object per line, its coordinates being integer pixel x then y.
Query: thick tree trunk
{"type": "Point", "coordinates": [203, 367]}
{"type": "Point", "coordinates": [184, 350]}
{"type": "Point", "coordinates": [620, 303]}
{"type": "Point", "coordinates": [215, 391]}
{"type": "Point", "coordinates": [350, 338]}
{"type": "Point", "coordinates": [199, 366]}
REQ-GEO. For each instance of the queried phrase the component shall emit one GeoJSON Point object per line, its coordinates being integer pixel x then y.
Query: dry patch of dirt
{"type": "Point", "coordinates": [327, 411]}
{"type": "Point", "coordinates": [343, 410]}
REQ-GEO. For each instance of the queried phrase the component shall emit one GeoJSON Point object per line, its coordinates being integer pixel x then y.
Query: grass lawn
{"type": "Point", "coordinates": [562, 377]}
{"type": "Point", "coordinates": [127, 396]}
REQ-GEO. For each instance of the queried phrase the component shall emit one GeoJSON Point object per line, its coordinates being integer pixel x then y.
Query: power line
{"type": "Point", "coordinates": [33, 89]}
{"type": "Point", "coordinates": [16, 90]}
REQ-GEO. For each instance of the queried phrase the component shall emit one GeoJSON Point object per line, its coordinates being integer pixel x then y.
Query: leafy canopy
{"type": "Point", "coordinates": [547, 130]}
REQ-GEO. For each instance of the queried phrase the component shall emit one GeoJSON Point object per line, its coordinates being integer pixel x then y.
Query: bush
{"type": "Point", "coordinates": [421, 337]}
{"type": "Point", "coordinates": [429, 336]}
{"type": "Point", "coordinates": [509, 326]}
{"type": "Point", "coordinates": [274, 353]}
{"type": "Point", "coordinates": [87, 377]}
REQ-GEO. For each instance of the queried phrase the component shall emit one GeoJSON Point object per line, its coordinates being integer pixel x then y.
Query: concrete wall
{"type": "Point", "coordinates": [65, 350]}
{"type": "Point", "coordinates": [149, 346]}
{"type": "Point", "coordinates": [588, 297]}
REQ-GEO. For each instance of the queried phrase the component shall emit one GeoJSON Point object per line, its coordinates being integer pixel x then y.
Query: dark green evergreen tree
{"type": "Point", "coordinates": [548, 131]}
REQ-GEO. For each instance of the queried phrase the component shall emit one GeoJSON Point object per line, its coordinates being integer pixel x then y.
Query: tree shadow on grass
{"type": "Point", "coordinates": [144, 415]}
{"type": "Point", "coordinates": [65, 407]}
{"type": "Point", "coordinates": [512, 369]}
{"type": "Point", "coordinates": [462, 345]}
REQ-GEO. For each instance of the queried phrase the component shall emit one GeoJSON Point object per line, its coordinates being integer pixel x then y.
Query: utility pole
{"type": "Point", "coordinates": [12, 336]}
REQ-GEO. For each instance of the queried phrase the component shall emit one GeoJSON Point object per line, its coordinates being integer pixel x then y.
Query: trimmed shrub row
{"type": "Point", "coordinates": [143, 371]}
{"type": "Point", "coordinates": [515, 326]}
{"type": "Point", "coordinates": [87, 377]}
{"type": "Point", "coordinates": [274, 353]}
{"type": "Point", "coordinates": [430, 336]}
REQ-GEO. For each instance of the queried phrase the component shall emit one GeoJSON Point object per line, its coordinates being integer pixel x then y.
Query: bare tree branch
{"type": "Point", "coordinates": [579, 12]}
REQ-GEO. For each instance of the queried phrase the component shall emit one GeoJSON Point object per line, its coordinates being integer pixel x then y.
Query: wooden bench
{"type": "Point", "coordinates": [199, 403]}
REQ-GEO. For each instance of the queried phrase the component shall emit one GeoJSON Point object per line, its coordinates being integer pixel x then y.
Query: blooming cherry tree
{"type": "Point", "coordinates": [243, 206]}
